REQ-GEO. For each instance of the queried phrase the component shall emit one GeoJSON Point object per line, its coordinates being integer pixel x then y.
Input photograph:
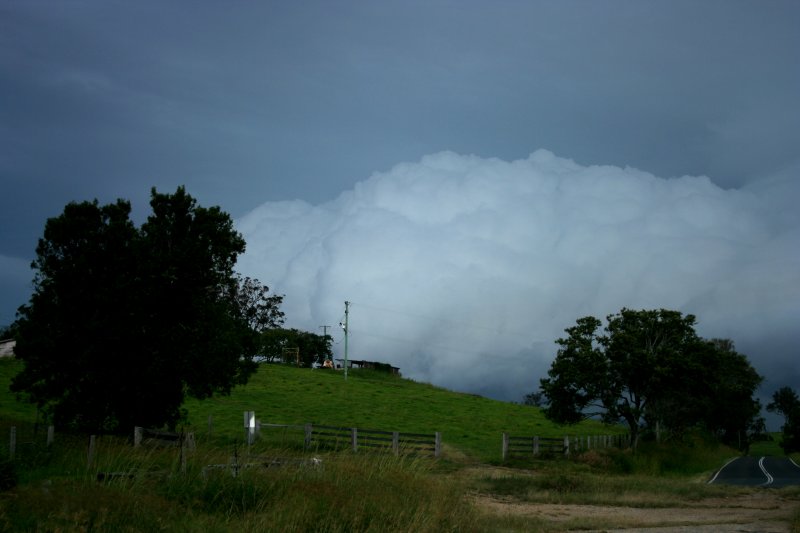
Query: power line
{"type": "Point", "coordinates": [451, 322]}
{"type": "Point", "coordinates": [438, 347]}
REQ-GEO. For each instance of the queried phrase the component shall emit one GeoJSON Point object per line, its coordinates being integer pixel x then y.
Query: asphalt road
{"type": "Point", "coordinates": [759, 471]}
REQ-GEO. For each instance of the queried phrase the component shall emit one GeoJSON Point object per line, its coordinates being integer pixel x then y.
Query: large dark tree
{"type": "Point", "coordinates": [650, 369]}
{"type": "Point", "coordinates": [124, 322]}
{"type": "Point", "coordinates": [786, 402]}
{"type": "Point", "coordinates": [726, 390]}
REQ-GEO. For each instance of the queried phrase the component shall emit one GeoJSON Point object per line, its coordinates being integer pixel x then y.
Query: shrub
{"type": "Point", "coordinates": [8, 475]}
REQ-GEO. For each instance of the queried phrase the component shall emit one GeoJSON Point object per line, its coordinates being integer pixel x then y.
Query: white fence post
{"type": "Point", "coordinates": [309, 430]}
{"type": "Point", "coordinates": [51, 434]}
{"type": "Point", "coordinates": [505, 446]}
{"type": "Point", "coordinates": [535, 446]}
{"type": "Point", "coordinates": [396, 442]}
{"type": "Point", "coordinates": [437, 445]}
{"type": "Point", "coordinates": [566, 445]}
{"type": "Point", "coordinates": [354, 438]}
{"type": "Point", "coordinates": [138, 433]}
{"type": "Point", "coordinates": [250, 426]}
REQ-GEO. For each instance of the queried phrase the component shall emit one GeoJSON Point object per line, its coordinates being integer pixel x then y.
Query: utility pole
{"type": "Point", "coordinates": [346, 332]}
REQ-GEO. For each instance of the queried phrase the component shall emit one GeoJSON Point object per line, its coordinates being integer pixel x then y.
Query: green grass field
{"type": "Point", "coordinates": [151, 489]}
{"type": "Point", "coordinates": [369, 399]}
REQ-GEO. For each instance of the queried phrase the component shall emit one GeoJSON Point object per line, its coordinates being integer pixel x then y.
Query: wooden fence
{"type": "Point", "coordinates": [162, 438]}
{"type": "Point", "coordinates": [320, 436]}
{"type": "Point", "coordinates": [13, 440]}
{"type": "Point", "coordinates": [537, 446]}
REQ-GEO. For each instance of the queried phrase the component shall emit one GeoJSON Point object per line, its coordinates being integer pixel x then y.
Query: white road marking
{"type": "Point", "coordinates": [770, 479]}
{"type": "Point", "coordinates": [710, 481]}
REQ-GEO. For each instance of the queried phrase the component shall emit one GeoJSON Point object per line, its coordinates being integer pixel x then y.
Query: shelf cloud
{"type": "Point", "coordinates": [463, 270]}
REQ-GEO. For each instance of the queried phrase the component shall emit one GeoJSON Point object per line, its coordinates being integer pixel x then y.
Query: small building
{"type": "Point", "coordinates": [373, 365]}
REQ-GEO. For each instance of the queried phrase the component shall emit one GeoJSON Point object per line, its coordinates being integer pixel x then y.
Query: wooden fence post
{"type": "Point", "coordinates": [308, 432]}
{"type": "Point", "coordinates": [138, 432]}
{"type": "Point", "coordinates": [51, 434]}
{"type": "Point", "coordinates": [535, 446]}
{"type": "Point", "coordinates": [90, 454]}
{"type": "Point", "coordinates": [437, 444]}
{"type": "Point", "coordinates": [354, 438]}
{"type": "Point", "coordinates": [396, 442]}
{"type": "Point", "coordinates": [12, 443]}
{"type": "Point", "coordinates": [187, 445]}
{"type": "Point", "coordinates": [505, 446]}
{"type": "Point", "coordinates": [183, 453]}
{"type": "Point", "coordinates": [233, 462]}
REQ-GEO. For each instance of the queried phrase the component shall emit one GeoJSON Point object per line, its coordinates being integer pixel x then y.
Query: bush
{"type": "Point", "coordinates": [8, 475]}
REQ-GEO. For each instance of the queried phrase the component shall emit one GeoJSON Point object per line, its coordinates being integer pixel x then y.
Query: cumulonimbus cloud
{"type": "Point", "coordinates": [463, 270]}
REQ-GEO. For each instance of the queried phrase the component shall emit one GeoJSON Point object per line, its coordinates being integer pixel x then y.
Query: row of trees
{"type": "Point", "coordinates": [295, 347]}
{"type": "Point", "coordinates": [651, 370]}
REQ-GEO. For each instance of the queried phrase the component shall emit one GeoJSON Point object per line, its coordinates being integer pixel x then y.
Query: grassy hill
{"type": "Point", "coordinates": [281, 394]}
{"type": "Point", "coordinates": [122, 488]}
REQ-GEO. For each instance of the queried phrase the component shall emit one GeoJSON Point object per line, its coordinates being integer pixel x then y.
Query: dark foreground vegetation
{"type": "Point", "coordinates": [153, 489]}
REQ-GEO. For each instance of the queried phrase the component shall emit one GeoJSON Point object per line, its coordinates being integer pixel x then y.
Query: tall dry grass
{"type": "Point", "coordinates": [150, 489]}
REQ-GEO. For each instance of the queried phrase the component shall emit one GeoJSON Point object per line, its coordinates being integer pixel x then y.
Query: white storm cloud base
{"type": "Point", "coordinates": [462, 270]}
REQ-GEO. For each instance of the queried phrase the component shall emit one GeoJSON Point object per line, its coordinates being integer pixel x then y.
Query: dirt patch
{"type": "Point", "coordinates": [766, 513]}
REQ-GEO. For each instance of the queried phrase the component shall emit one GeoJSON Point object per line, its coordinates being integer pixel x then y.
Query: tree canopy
{"type": "Point", "coordinates": [124, 322]}
{"type": "Point", "coordinates": [650, 369]}
{"type": "Point", "coordinates": [786, 402]}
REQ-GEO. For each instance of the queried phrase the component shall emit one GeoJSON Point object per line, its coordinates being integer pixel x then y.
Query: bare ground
{"type": "Point", "coordinates": [762, 511]}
